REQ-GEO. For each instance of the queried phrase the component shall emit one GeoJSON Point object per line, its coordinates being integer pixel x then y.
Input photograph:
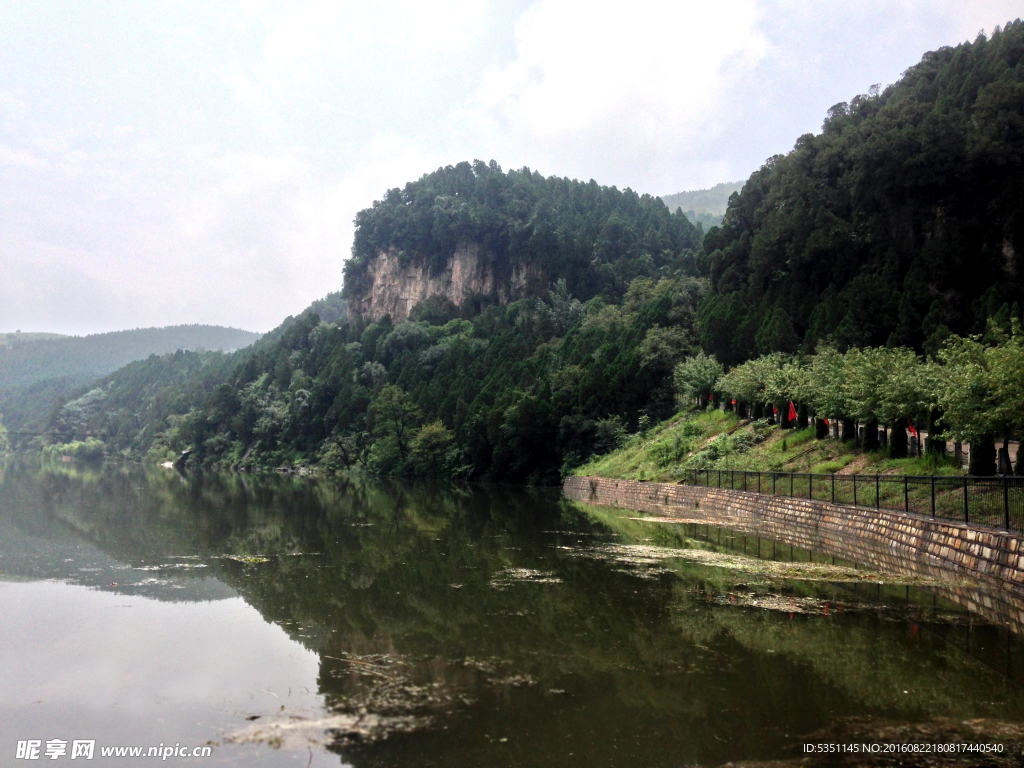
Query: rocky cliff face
{"type": "Point", "coordinates": [388, 287]}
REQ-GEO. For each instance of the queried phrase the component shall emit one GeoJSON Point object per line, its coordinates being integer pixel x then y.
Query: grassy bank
{"type": "Point", "coordinates": [720, 440]}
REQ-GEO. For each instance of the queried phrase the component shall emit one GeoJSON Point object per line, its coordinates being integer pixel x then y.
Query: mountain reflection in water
{"type": "Point", "coordinates": [400, 624]}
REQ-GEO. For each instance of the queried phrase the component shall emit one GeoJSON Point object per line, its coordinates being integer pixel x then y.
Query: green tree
{"type": "Point", "coordinates": [827, 383]}
{"type": "Point", "coordinates": [798, 383]}
{"type": "Point", "coordinates": [1006, 363]}
{"type": "Point", "coordinates": [697, 376]}
{"type": "Point", "coordinates": [429, 448]}
{"type": "Point", "coordinates": [565, 310]}
{"type": "Point", "coordinates": [744, 384]}
{"type": "Point", "coordinates": [967, 399]}
{"type": "Point", "coordinates": [908, 396]}
{"type": "Point", "coordinates": [663, 348]}
{"type": "Point", "coordinates": [867, 374]}
{"type": "Point", "coordinates": [781, 383]}
{"type": "Point", "coordinates": [395, 415]}
{"type": "Point", "coordinates": [776, 333]}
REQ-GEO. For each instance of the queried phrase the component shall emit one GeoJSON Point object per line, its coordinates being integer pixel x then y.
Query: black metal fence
{"type": "Point", "coordinates": [996, 502]}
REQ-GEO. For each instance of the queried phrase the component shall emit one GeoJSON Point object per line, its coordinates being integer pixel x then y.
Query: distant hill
{"type": "Point", "coordinates": [28, 360]}
{"type": "Point", "coordinates": [704, 206]}
{"type": "Point", "coordinates": [11, 339]}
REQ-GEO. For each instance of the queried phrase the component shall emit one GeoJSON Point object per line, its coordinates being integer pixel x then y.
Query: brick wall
{"type": "Point", "coordinates": [888, 541]}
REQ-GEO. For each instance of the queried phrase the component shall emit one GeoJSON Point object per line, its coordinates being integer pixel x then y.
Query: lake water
{"type": "Point", "coordinates": [296, 622]}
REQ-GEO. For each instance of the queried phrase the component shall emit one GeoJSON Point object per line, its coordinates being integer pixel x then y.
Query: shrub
{"type": "Point", "coordinates": [90, 449]}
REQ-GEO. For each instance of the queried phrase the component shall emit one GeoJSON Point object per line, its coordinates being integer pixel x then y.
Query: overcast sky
{"type": "Point", "coordinates": [183, 162]}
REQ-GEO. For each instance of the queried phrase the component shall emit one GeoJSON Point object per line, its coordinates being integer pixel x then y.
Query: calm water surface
{"type": "Point", "coordinates": [288, 621]}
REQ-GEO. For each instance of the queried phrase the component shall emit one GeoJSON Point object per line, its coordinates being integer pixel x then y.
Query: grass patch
{"type": "Point", "coordinates": [711, 440]}
{"type": "Point", "coordinates": [928, 464]}
{"type": "Point", "coordinates": [833, 465]}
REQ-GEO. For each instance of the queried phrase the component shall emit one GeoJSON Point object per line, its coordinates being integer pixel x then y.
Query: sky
{"type": "Point", "coordinates": [192, 162]}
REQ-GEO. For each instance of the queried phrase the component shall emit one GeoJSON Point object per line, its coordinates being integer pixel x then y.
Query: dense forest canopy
{"type": "Point", "coordinates": [598, 239]}
{"type": "Point", "coordinates": [902, 221]}
{"type": "Point", "coordinates": [511, 394]}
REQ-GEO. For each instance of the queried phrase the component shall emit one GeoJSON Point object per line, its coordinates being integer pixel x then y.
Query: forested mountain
{"type": "Point", "coordinates": [901, 221]}
{"type": "Point", "coordinates": [25, 362]}
{"type": "Point", "coordinates": [516, 233]}
{"type": "Point", "coordinates": [705, 207]}
{"type": "Point", "coordinates": [562, 307]}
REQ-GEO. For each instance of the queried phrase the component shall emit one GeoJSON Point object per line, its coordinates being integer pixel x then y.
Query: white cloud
{"type": "Point", "coordinates": [622, 93]}
{"type": "Point", "coordinates": [656, 66]}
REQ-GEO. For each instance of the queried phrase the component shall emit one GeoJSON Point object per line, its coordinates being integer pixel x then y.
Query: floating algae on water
{"type": "Point", "coordinates": [509, 576]}
{"type": "Point", "coordinates": [650, 558]}
{"type": "Point", "coordinates": [296, 730]}
{"type": "Point", "coordinates": [247, 559]}
{"type": "Point", "coordinates": [672, 543]}
{"type": "Point", "coordinates": [384, 695]}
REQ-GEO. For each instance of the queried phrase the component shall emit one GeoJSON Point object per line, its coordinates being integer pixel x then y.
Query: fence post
{"type": "Point", "coordinates": [773, 484]}
{"type": "Point", "coordinates": [758, 482]}
{"type": "Point", "coordinates": [855, 490]}
{"type": "Point", "coordinates": [791, 485]}
{"type": "Point", "coordinates": [1006, 501]}
{"type": "Point", "coordinates": [810, 486]}
{"type": "Point", "coordinates": [906, 495]}
{"type": "Point", "coordinates": [933, 495]}
{"type": "Point", "coordinates": [967, 511]}
{"type": "Point", "coordinates": [744, 480]}
{"type": "Point", "coordinates": [833, 487]}
{"type": "Point", "coordinates": [878, 487]}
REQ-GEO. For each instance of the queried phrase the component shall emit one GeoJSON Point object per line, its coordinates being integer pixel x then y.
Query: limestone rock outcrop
{"type": "Point", "coordinates": [389, 286]}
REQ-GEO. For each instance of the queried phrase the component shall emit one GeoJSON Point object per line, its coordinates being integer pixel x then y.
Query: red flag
{"type": "Point", "coordinates": [792, 411]}
{"type": "Point", "coordinates": [734, 402]}
{"type": "Point", "coordinates": [910, 426]}
{"type": "Point", "coordinates": [826, 423]}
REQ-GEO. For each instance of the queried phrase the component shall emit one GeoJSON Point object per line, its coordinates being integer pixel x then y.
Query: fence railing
{"type": "Point", "coordinates": [995, 502]}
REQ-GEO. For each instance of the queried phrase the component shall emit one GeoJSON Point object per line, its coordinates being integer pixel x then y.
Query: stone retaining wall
{"type": "Point", "coordinates": [883, 539]}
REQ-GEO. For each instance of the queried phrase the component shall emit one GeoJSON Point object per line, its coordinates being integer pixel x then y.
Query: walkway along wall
{"type": "Point", "coordinates": [889, 541]}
